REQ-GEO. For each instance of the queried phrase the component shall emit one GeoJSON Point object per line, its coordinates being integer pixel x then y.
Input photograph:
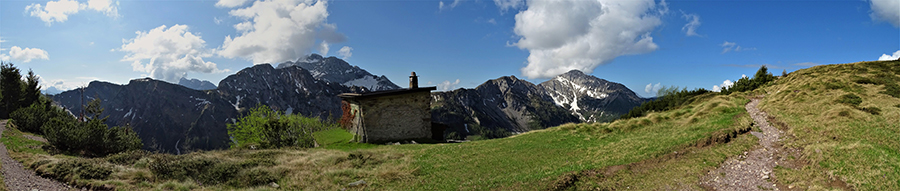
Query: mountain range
{"type": "Point", "coordinates": [178, 118]}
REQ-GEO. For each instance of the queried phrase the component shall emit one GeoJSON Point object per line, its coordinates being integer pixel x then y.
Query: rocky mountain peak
{"type": "Point", "coordinates": [589, 97]}
{"type": "Point", "coordinates": [336, 70]}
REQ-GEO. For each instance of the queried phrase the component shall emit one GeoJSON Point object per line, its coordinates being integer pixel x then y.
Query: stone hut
{"type": "Point", "coordinates": [390, 115]}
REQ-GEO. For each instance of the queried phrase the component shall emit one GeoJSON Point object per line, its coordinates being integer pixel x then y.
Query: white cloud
{"type": "Point", "coordinates": [690, 29]}
{"type": "Point", "coordinates": [217, 20]}
{"type": "Point", "coordinates": [652, 89]}
{"type": "Point", "coordinates": [447, 85]}
{"type": "Point", "coordinates": [492, 21]}
{"type": "Point", "coordinates": [887, 10]}
{"type": "Point", "coordinates": [323, 48]}
{"type": "Point", "coordinates": [505, 5]}
{"type": "Point", "coordinates": [806, 64]}
{"type": "Point", "coordinates": [59, 11]}
{"type": "Point", "coordinates": [564, 35]}
{"type": "Point", "coordinates": [230, 3]}
{"type": "Point", "coordinates": [170, 53]}
{"type": "Point", "coordinates": [441, 5]}
{"type": "Point", "coordinates": [277, 31]}
{"type": "Point", "coordinates": [3, 57]}
{"type": "Point", "coordinates": [731, 46]}
{"type": "Point", "coordinates": [345, 52]}
{"type": "Point", "coordinates": [725, 84]}
{"type": "Point", "coordinates": [108, 7]}
{"type": "Point", "coordinates": [27, 54]}
{"type": "Point", "coordinates": [890, 57]}
{"type": "Point", "coordinates": [58, 84]}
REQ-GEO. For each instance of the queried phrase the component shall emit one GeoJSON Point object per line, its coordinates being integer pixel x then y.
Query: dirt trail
{"type": "Point", "coordinates": [17, 177]}
{"type": "Point", "coordinates": [752, 170]}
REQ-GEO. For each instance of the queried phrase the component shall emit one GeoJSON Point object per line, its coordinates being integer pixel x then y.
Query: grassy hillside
{"type": "Point", "coordinates": [688, 138]}
{"type": "Point", "coordinates": [844, 121]}
{"type": "Point", "coordinates": [834, 140]}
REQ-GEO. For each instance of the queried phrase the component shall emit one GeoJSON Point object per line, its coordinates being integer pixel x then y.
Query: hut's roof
{"type": "Point", "coordinates": [385, 93]}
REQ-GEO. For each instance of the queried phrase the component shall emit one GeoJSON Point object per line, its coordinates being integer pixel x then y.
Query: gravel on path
{"type": "Point", "coordinates": [18, 178]}
{"type": "Point", "coordinates": [752, 169]}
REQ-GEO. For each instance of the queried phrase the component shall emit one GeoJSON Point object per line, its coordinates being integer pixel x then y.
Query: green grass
{"type": "Point", "coordinates": [535, 160]}
{"type": "Point", "coordinates": [339, 139]}
{"type": "Point", "coordinates": [17, 142]}
{"type": "Point", "coordinates": [530, 161]}
{"type": "Point", "coordinates": [853, 144]}
{"type": "Point", "coordinates": [856, 142]}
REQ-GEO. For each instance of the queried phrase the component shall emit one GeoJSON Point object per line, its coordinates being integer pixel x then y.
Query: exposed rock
{"type": "Point", "coordinates": [165, 114]}
{"type": "Point", "coordinates": [335, 70]}
{"type": "Point", "coordinates": [590, 98]}
{"type": "Point", "coordinates": [518, 106]}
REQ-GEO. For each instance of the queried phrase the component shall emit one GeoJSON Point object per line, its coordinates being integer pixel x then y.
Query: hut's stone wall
{"type": "Point", "coordinates": [393, 117]}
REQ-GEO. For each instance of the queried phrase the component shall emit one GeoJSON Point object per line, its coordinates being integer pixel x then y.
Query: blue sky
{"type": "Point", "coordinates": [450, 44]}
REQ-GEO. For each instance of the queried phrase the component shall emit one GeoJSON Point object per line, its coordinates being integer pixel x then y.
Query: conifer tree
{"type": "Point", "coordinates": [11, 87]}
{"type": "Point", "coordinates": [32, 89]}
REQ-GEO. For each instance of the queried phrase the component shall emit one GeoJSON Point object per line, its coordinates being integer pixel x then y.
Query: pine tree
{"type": "Point", "coordinates": [32, 89]}
{"type": "Point", "coordinates": [11, 87]}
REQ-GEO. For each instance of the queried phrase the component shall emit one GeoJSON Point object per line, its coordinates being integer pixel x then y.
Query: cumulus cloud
{"type": "Point", "coordinates": [230, 3]}
{"type": "Point", "coordinates": [690, 29]}
{"type": "Point", "coordinates": [54, 11]}
{"type": "Point", "coordinates": [564, 35]}
{"type": "Point", "coordinates": [345, 52]}
{"type": "Point", "coordinates": [725, 84]}
{"type": "Point", "coordinates": [26, 54]}
{"type": "Point", "coordinates": [652, 89]}
{"type": "Point", "coordinates": [731, 46]}
{"type": "Point", "coordinates": [887, 10]}
{"type": "Point", "coordinates": [506, 5]}
{"type": "Point", "coordinates": [277, 31]}
{"type": "Point", "coordinates": [890, 57]}
{"type": "Point", "coordinates": [59, 11]}
{"type": "Point", "coordinates": [108, 7]}
{"type": "Point", "coordinates": [447, 85]}
{"type": "Point", "coordinates": [169, 52]}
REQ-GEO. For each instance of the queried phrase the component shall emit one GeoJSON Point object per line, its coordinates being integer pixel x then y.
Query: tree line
{"type": "Point", "coordinates": [30, 111]}
{"type": "Point", "coordinates": [672, 98]}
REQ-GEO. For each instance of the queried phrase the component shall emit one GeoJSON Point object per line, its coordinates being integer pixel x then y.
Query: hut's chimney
{"type": "Point", "coordinates": [413, 81]}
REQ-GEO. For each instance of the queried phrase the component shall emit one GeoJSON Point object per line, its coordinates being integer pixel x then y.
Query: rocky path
{"type": "Point", "coordinates": [17, 177]}
{"type": "Point", "coordinates": [751, 170]}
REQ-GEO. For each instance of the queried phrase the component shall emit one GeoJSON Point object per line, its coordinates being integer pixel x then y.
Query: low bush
{"type": "Point", "coordinates": [871, 110]}
{"type": "Point", "coordinates": [91, 138]}
{"type": "Point", "coordinates": [80, 168]}
{"type": "Point", "coordinates": [254, 177]}
{"type": "Point", "coordinates": [127, 157]}
{"type": "Point", "coordinates": [892, 89]}
{"type": "Point", "coordinates": [31, 118]}
{"type": "Point", "coordinates": [849, 99]}
{"type": "Point", "coordinates": [213, 171]}
{"type": "Point", "coordinates": [272, 129]}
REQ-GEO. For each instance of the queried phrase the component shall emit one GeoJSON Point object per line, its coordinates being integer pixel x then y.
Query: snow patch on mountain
{"type": "Point", "coordinates": [366, 81]}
